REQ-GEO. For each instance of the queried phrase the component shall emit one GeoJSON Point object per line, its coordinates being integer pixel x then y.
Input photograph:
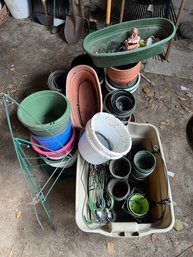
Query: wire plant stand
{"type": "Point", "coordinates": [30, 165]}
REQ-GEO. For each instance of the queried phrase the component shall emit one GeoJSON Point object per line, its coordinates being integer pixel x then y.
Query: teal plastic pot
{"type": "Point", "coordinates": [144, 163]}
{"type": "Point", "coordinates": [45, 113]}
{"type": "Point", "coordinates": [138, 205]}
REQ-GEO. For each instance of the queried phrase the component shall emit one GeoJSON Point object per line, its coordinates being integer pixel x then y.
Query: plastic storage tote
{"type": "Point", "coordinates": [147, 136]}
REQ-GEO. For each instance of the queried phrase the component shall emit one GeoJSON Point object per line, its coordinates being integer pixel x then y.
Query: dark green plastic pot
{"type": "Point", "coordinates": [45, 113]}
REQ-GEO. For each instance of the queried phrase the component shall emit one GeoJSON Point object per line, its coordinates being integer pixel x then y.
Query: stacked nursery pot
{"type": "Point", "coordinates": [123, 78]}
{"type": "Point", "coordinates": [57, 81]}
{"type": "Point", "coordinates": [121, 104]}
{"type": "Point", "coordinates": [47, 115]}
{"type": "Point", "coordinates": [126, 77]}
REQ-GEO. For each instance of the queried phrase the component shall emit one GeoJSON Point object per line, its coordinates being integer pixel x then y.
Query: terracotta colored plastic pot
{"type": "Point", "coordinates": [124, 74]}
{"type": "Point", "coordinates": [65, 149]}
{"type": "Point", "coordinates": [84, 93]}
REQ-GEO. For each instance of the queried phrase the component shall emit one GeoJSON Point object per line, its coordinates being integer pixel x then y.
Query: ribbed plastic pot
{"type": "Point", "coordinates": [45, 113]}
{"type": "Point", "coordinates": [123, 74]}
{"type": "Point", "coordinates": [55, 142]}
{"type": "Point", "coordinates": [105, 137]}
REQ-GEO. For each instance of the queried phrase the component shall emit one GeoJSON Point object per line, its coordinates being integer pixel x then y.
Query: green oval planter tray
{"type": "Point", "coordinates": [101, 45]}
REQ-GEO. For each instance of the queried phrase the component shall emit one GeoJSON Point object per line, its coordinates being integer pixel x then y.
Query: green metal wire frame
{"type": "Point", "coordinates": [29, 166]}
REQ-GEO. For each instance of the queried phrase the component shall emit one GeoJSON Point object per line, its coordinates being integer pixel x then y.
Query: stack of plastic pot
{"type": "Point", "coordinates": [57, 81]}
{"type": "Point", "coordinates": [121, 104]}
{"type": "Point", "coordinates": [126, 77]}
{"type": "Point", "coordinates": [47, 115]}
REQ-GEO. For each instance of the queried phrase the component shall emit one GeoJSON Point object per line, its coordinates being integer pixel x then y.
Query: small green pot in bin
{"type": "Point", "coordinates": [138, 205]}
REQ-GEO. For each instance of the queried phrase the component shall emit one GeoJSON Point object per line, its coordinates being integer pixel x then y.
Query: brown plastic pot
{"type": "Point", "coordinates": [124, 74]}
{"type": "Point", "coordinates": [84, 93]}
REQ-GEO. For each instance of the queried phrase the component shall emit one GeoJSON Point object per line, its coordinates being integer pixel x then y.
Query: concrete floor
{"type": "Point", "coordinates": [28, 54]}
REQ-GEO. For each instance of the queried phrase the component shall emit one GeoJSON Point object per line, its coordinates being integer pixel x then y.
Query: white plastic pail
{"type": "Point", "coordinates": [105, 138]}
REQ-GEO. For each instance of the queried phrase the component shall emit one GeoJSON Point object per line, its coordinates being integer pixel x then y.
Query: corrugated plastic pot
{"type": "Point", "coordinates": [45, 113]}
{"type": "Point", "coordinates": [124, 74]}
{"type": "Point", "coordinates": [55, 142]}
{"type": "Point", "coordinates": [105, 137]}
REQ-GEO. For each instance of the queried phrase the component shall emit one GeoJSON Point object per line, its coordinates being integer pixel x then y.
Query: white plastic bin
{"type": "Point", "coordinates": [158, 183]}
{"type": "Point", "coordinates": [19, 9]}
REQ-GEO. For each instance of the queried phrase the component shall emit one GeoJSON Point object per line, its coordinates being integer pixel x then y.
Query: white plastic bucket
{"type": "Point", "coordinates": [105, 138]}
{"type": "Point", "coordinates": [19, 9]}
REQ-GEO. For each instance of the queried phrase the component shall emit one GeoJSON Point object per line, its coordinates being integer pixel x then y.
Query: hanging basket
{"type": "Point", "coordinates": [4, 13]}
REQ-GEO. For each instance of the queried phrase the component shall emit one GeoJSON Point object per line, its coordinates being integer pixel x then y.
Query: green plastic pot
{"type": "Point", "coordinates": [45, 113]}
{"type": "Point", "coordinates": [102, 44]}
{"type": "Point", "coordinates": [138, 205]}
{"type": "Point", "coordinates": [144, 163]}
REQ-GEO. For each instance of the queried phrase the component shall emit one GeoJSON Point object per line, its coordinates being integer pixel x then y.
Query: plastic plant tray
{"type": "Point", "coordinates": [101, 45]}
{"type": "Point", "coordinates": [157, 188]}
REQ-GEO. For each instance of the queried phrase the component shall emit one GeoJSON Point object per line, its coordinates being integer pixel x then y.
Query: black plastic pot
{"type": "Point", "coordinates": [120, 103]}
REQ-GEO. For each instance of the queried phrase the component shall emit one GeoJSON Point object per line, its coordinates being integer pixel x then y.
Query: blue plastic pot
{"type": "Point", "coordinates": [57, 141]}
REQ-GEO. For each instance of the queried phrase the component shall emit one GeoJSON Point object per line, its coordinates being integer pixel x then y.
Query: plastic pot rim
{"type": "Point", "coordinates": [146, 203]}
{"type": "Point", "coordinates": [41, 127]}
{"type": "Point", "coordinates": [95, 141]}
